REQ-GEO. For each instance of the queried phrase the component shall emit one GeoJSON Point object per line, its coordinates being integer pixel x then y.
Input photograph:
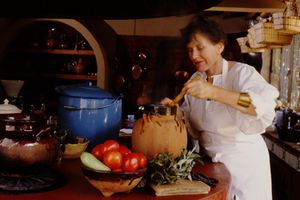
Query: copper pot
{"type": "Point", "coordinates": [27, 144]}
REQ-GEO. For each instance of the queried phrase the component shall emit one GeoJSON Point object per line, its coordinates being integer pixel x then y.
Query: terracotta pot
{"type": "Point", "coordinates": [108, 182]}
{"type": "Point", "coordinates": [159, 132]}
{"type": "Point", "coordinates": [27, 145]}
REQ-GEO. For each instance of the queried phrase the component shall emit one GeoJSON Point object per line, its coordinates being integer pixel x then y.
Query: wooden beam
{"type": "Point", "coordinates": [249, 6]}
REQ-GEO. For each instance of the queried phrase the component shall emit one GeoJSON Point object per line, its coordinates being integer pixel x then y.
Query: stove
{"type": "Point", "coordinates": [46, 180]}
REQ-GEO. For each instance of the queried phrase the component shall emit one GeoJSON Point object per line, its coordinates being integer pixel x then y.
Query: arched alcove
{"type": "Point", "coordinates": [98, 34]}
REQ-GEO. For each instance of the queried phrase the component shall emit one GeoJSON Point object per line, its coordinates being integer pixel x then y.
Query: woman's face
{"type": "Point", "coordinates": [203, 53]}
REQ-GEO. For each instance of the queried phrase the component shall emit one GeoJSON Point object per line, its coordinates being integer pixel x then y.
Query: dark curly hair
{"type": "Point", "coordinates": [205, 26]}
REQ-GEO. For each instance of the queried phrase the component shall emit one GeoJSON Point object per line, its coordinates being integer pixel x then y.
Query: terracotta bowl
{"type": "Point", "coordinates": [109, 183]}
{"type": "Point", "coordinates": [74, 150]}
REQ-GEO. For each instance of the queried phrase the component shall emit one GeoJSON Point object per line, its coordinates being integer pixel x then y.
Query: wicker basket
{"type": "Point", "coordinates": [243, 43]}
{"type": "Point", "coordinates": [252, 42]}
{"type": "Point", "coordinates": [286, 24]}
{"type": "Point", "coordinates": [266, 34]}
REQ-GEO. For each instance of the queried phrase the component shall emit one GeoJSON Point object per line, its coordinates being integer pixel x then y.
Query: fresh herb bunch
{"type": "Point", "coordinates": [65, 136]}
{"type": "Point", "coordinates": [164, 168]}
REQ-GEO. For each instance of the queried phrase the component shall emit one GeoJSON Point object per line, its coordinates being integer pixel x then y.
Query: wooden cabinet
{"type": "Point", "coordinates": [285, 180]}
{"type": "Point", "coordinates": [46, 54]}
{"type": "Point", "coordinates": [59, 70]}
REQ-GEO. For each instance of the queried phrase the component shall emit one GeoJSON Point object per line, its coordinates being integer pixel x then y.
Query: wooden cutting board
{"type": "Point", "coordinates": [181, 187]}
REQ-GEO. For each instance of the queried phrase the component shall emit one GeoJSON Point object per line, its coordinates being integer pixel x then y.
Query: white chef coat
{"type": "Point", "coordinates": [232, 137]}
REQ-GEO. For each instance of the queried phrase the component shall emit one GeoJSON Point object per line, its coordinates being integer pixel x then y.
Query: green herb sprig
{"type": "Point", "coordinates": [65, 136]}
{"type": "Point", "coordinates": [164, 168]}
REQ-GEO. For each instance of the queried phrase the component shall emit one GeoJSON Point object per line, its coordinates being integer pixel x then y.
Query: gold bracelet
{"type": "Point", "coordinates": [244, 100]}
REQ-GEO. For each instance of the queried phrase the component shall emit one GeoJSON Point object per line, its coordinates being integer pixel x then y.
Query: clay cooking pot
{"type": "Point", "coordinates": [159, 130]}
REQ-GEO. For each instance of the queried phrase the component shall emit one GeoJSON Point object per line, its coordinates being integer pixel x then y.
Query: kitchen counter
{"type": "Point", "coordinates": [288, 152]}
{"type": "Point", "coordinates": [76, 187]}
{"type": "Point", "coordinates": [285, 166]}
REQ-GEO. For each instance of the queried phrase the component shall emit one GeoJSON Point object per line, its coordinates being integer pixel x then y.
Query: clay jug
{"type": "Point", "coordinates": [159, 131]}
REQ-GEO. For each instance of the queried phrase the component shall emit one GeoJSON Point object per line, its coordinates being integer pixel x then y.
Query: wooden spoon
{"type": "Point", "coordinates": [182, 93]}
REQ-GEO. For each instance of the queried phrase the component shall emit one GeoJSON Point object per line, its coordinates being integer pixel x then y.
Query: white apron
{"type": "Point", "coordinates": [245, 156]}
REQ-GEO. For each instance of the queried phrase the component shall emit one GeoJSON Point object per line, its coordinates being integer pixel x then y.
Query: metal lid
{"type": "Point", "coordinates": [158, 109]}
{"type": "Point", "coordinates": [84, 91]}
{"type": "Point", "coordinates": [7, 108]}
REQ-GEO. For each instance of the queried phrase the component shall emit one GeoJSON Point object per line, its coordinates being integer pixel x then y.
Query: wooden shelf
{"type": "Point", "coordinates": [56, 51]}
{"type": "Point", "coordinates": [70, 76]}
{"type": "Point", "coordinates": [59, 76]}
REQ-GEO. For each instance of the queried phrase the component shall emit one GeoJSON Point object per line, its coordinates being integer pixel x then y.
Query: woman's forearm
{"type": "Point", "coordinates": [231, 98]}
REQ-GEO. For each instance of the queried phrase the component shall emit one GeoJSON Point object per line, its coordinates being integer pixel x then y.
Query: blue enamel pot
{"type": "Point", "coordinates": [90, 112]}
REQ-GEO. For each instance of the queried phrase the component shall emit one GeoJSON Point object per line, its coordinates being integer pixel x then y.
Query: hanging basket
{"type": "Point", "coordinates": [244, 42]}
{"type": "Point", "coordinates": [286, 24]}
{"type": "Point", "coordinates": [252, 42]}
{"type": "Point", "coordinates": [266, 34]}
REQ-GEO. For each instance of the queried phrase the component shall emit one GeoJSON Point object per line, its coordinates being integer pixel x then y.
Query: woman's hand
{"type": "Point", "coordinates": [166, 101]}
{"type": "Point", "coordinates": [204, 90]}
{"type": "Point", "coordinates": [200, 89]}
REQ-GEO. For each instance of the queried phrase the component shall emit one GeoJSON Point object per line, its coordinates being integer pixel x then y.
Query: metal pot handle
{"type": "Point", "coordinates": [108, 105]}
{"type": "Point", "coordinates": [42, 132]}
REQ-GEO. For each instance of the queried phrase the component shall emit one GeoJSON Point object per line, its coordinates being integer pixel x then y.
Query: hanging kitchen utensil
{"type": "Point", "coordinates": [12, 87]}
{"type": "Point", "coordinates": [136, 71]}
{"type": "Point", "coordinates": [140, 68]}
{"type": "Point", "coordinates": [182, 76]}
{"type": "Point", "coordinates": [119, 83]}
{"type": "Point", "coordinates": [119, 79]}
{"type": "Point", "coordinates": [142, 56]}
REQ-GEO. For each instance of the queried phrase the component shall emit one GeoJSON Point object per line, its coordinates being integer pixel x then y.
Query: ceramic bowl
{"type": "Point", "coordinates": [109, 183]}
{"type": "Point", "coordinates": [74, 150]}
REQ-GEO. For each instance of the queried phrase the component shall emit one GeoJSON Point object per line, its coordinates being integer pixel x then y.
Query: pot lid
{"type": "Point", "coordinates": [7, 108]}
{"type": "Point", "coordinates": [84, 91]}
{"type": "Point", "coordinates": [160, 109]}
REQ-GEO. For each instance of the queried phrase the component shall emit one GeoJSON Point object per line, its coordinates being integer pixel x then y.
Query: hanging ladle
{"type": "Point", "coordinates": [138, 70]}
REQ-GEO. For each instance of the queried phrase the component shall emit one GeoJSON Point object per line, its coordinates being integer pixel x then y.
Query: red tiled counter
{"type": "Point", "coordinates": [76, 187]}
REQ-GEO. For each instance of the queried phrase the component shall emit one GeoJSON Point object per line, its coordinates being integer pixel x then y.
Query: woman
{"type": "Point", "coordinates": [227, 110]}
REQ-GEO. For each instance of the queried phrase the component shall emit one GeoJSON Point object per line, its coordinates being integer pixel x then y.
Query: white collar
{"type": "Point", "coordinates": [223, 74]}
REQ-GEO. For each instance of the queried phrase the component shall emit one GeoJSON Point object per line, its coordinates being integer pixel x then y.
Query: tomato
{"type": "Point", "coordinates": [111, 145]}
{"type": "Point", "coordinates": [124, 150]}
{"type": "Point", "coordinates": [112, 159]}
{"type": "Point", "coordinates": [99, 150]}
{"type": "Point", "coordinates": [130, 162]}
{"type": "Point", "coordinates": [142, 160]}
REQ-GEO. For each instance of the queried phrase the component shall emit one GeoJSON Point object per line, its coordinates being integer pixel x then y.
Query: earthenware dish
{"type": "Point", "coordinates": [109, 183]}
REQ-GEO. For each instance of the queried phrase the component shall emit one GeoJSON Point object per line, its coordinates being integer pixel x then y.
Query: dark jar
{"type": "Point", "coordinates": [27, 144]}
